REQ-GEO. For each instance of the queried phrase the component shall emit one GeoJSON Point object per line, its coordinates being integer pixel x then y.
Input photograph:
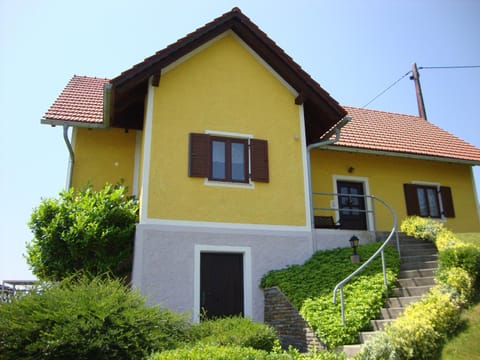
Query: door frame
{"type": "Point", "coordinates": [247, 275]}
{"type": "Point", "coordinates": [366, 189]}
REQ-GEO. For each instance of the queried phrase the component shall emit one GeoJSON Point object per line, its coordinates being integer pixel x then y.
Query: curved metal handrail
{"type": "Point", "coordinates": [380, 250]}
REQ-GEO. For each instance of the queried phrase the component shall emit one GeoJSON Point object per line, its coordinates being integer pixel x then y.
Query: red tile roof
{"type": "Point", "coordinates": [80, 102]}
{"type": "Point", "coordinates": [404, 134]}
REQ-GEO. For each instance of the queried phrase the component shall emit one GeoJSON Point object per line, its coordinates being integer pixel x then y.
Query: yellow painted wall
{"type": "Point", "coordinates": [225, 88]}
{"type": "Point", "coordinates": [386, 176]}
{"type": "Point", "coordinates": [103, 155]}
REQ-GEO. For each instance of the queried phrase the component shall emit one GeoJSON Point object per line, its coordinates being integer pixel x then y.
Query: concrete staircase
{"type": "Point", "coordinates": [417, 266]}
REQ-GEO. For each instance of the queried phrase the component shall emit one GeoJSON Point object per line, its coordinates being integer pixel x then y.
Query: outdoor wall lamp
{"type": "Point", "coordinates": [354, 244]}
{"type": "Point", "coordinates": [351, 169]}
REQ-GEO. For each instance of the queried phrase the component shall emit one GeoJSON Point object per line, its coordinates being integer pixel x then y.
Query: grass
{"type": "Point", "coordinates": [466, 344]}
{"type": "Point", "coordinates": [473, 238]}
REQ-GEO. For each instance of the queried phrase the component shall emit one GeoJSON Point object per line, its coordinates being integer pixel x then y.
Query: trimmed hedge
{"type": "Point", "coordinates": [235, 331]}
{"type": "Point", "coordinates": [209, 352]}
{"type": "Point", "coordinates": [424, 326]}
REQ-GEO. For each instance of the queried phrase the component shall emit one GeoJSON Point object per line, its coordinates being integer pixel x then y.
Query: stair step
{"type": "Point", "coordinates": [365, 335]}
{"type": "Point", "coordinates": [416, 281]}
{"type": "Point", "coordinates": [418, 258]}
{"type": "Point", "coordinates": [394, 302]}
{"type": "Point", "coordinates": [350, 350]}
{"type": "Point", "coordinates": [380, 324]}
{"type": "Point", "coordinates": [419, 265]}
{"type": "Point", "coordinates": [411, 291]}
{"type": "Point", "coordinates": [416, 273]}
{"type": "Point", "coordinates": [391, 313]}
{"type": "Point", "coordinates": [417, 251]}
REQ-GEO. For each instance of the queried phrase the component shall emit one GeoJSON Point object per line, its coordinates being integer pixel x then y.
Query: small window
{"type": "Point", "coordinates": [228, 159]}
{"type": "Point", "coordinates": [429, 201]}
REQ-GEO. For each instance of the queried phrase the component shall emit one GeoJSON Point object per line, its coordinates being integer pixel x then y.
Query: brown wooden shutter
{"type": "Point", "coordinates": [199, 155]}
{"type": "Point", "coordinates": [447, 201]}
{"type": "Point", "coordinates": [259, 160]}
{"type": "Point", "coordinates": [411, 199]}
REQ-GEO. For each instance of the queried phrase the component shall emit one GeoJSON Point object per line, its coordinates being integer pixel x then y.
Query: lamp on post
{"type": "Point", "coordinates": [354, 244]}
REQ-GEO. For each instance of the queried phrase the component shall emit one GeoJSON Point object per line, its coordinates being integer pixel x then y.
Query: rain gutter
{"type": "Point", "coordinates": [319, 144]}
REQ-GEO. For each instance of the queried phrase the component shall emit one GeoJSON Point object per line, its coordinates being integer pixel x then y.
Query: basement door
{"type": "Point", "coordinates": [352, 208]}
{"type": "Point", "coordinates": [221, 284]}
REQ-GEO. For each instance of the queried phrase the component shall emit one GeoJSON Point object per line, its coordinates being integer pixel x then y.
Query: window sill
{"type": "Point", "coordinates": [249, 185]}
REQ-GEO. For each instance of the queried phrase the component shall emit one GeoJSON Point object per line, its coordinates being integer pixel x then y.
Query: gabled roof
{"type": "Point", "coordinates": [129, 89]}
{"type": "Point", "coordinates": [81, 102]}
{"type": "Point", "coordinates": [403, 135]}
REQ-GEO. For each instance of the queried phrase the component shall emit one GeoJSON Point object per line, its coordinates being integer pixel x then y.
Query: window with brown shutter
{"type": "Point", "coordinates": [226, 159]}
{"type": "Point", "coordinates": [199, 155]}
{"type": "Point", "coordinates": [259, 160]}
{"type": "Point", "coordinates": [447, 201]}
{"type": "Point", "coordinates": [428, 201]}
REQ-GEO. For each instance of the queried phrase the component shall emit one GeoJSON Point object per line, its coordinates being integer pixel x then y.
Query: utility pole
{"type": "Point", "coordinates": [416, 78]}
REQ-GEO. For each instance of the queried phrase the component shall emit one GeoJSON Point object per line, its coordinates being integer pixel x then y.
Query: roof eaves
{"type": "Point", "coordinates": [72, 123]}
{"type": "Point", "coordinates": [245, 29]}
{"type": "Point", "coordinates": [409, 155]}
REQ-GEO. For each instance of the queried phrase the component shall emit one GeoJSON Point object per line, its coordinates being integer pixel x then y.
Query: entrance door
{"type": "Point", "coordinates": [221, 284]}
{"type": "Point", "coordinates": [351, 214]}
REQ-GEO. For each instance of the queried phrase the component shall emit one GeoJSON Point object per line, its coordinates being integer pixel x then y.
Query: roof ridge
{"type": "Point", "coordinates": [90, 77]}
{"type": "Point", "coordinates": [383, 111]}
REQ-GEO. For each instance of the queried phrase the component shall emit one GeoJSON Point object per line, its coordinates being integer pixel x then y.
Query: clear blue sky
{"type": "Point", "coordinates": [354, 49]}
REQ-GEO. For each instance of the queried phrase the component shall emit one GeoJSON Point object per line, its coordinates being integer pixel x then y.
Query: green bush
{"type": "Point", "coordinates": [421, 228]}
{"type": "Point", "coordinates": [379, 346]}
{"type": "Point", "coordinates": [209, 352]}
{"type": "Point", "coordinates": [86, 230]}
{"type": "Point", "coordinates": [424, 325]}
{"type": "Point", "coordinates": [235, 331]}
{"type": "Point", "coordinates": [459, 283]}
{"type": "Point", "coordinates": [465, 256]}
{"type": "Point", "coordinates": [83, 318]}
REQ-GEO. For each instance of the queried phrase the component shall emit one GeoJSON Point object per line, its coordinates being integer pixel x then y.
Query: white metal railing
{"type": "Point", "coordinates": [380, 250]}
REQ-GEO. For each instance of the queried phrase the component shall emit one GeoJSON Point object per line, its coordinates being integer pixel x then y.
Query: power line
{"type": "Point", "coordinates": [420, 68]}
{"type": "Point", "coordinates": [384, 91]}
{"type": "Point", "coordinates": [450, 67]}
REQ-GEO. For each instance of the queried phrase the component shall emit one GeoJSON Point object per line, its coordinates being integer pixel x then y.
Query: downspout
{"type": "Point", "coordinates": [317, 145]}
{"type": "Point", "coordinates": [71, 160]}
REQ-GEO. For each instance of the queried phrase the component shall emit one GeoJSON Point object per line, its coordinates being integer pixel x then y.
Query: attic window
{"type": "Point", "coordinates": [228, 159]}
{"type": "Point", "coordinates": [429, 200]}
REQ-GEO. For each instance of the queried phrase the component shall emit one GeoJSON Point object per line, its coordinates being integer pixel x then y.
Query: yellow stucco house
{"type": "Point", "coordinates": [242, 163]}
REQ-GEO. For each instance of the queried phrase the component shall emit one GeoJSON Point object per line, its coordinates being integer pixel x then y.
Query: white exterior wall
{"type": "Point", "coordinates": [164, 261]}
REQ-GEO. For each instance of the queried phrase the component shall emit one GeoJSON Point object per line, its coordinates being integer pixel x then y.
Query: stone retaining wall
{"type": "Point", "coordinates": [291, 328]}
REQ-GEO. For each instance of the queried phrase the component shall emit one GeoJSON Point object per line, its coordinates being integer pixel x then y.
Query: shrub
{"type": "Point", "coordinates": [209, 352]}
{"type": "Point", "coordinates": [421, 228]}
{"type": "Point", "coordinates": [235, 331]}
{"type": "Point", "coordinates": [83, 318]}
{"type": "Point", "coordinates": [465, 256]}
{"type": "Point", "coordinates": [86, 230]}
{"type": "Point", "coordinates": [379, 346]}
{"type": "Point", "coordinates": [424, 325]}
{"type": "Point", "coordinates": [459, 283]}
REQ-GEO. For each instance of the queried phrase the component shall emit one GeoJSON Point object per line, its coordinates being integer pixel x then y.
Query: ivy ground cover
{"type": "Point", "coordinates": [310, 288]}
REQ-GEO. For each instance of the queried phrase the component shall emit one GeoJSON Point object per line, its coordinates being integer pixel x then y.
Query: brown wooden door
{"type": "Point", "coordinates": [221, 284]}
{"type": "Point", "coordinates": [352, 208]}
